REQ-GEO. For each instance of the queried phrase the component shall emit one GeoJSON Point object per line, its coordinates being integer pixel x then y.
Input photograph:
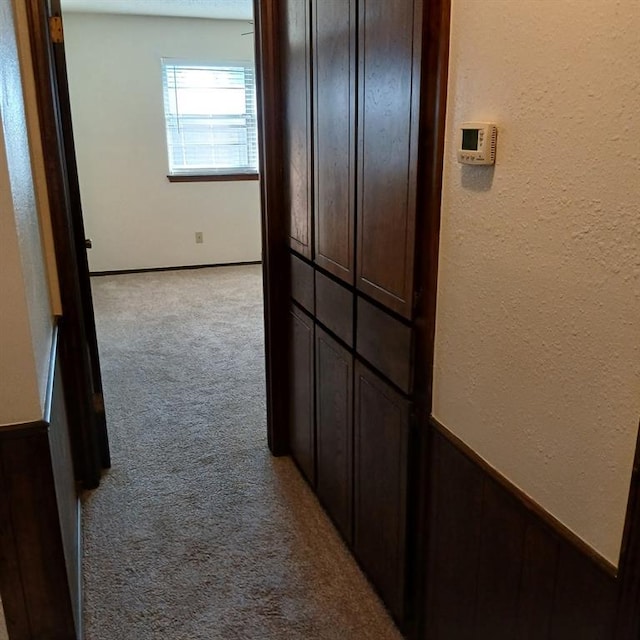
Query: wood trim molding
{"type": "Point", "coordinates": [188, 267]}
{"type": "Point", "coordinates": [214, 177]}
{"type": "Point", "coordinates": [528, 503]}
{"type": "Point", "coordinates": [274, 227]}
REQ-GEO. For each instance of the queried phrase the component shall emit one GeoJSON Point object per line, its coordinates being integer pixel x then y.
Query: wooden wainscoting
{"type": "Point", "coordinates": [39, 518]}
{"type": "Point", "coordinates": [498, 568]}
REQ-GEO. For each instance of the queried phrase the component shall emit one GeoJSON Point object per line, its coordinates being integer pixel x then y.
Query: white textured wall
{"type": "Point", "coordinates": [25, 312]}
{"type": "Point", "coordinates": [537, 362]}
{"type": "Point", "coordinates": [135, 217]}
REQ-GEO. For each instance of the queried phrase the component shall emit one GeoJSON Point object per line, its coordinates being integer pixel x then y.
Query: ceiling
{"type": "Point", "coordinates": [216, 9]}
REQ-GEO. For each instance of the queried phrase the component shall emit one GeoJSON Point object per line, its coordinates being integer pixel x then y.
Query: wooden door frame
{"type": "Point", "coordinates": [87, 426]}
{"type": "Point", "coordinates": [78, 345]}
{"type": "Point", "coordinates": [275, 234]}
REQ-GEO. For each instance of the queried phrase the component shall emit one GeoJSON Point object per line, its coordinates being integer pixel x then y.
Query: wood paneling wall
{"type": "Point", "coordinates": [39, 525]}
{"type": "Point", "coordinates": [497, 570]}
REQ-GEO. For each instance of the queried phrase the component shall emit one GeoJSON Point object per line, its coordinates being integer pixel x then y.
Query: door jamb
{"type": "Point", "coordinates": [275, 261]}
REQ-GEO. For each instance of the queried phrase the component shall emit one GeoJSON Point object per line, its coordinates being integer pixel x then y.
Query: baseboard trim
{"type": "Point", "coordinates": [528, 503]}
{"type": "Point", "coordinates": [187, 267]}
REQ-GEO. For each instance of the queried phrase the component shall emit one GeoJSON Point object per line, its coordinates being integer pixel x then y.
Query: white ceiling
{"type": "Point", "coordinates": [216, 9]}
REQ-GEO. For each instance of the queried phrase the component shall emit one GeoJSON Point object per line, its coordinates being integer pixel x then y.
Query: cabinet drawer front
{"type": "Point", "coordinates": [334, 307]}
{"type": "Point", "coordinates": [381, 449]}
{"type": "Point", "coordinates": [334, 420]}
{"type": "Point", "coordinates": [385, 343]}
{"type": "Point", "coordinates": [302, 283]}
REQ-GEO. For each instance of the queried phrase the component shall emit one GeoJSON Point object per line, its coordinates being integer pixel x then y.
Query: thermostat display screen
{"type": "Point", "coordinates": [477, 143]}
{"type": "Point", "coordinates": [470, 139]}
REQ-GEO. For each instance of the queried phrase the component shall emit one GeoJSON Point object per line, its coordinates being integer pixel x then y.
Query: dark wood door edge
{"type": "Point", "coordinates": [274, 227]}
{"type": "Point", "coordinates": [528, 503]}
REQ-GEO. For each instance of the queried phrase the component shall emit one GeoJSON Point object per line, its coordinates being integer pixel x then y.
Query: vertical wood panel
{"type": "Point", "coordinates": [497, 569]}
{"type": "Point", "coordinates": [334, 32]}
{"type": "Point", "coordinates": [296, 74]}
{"type": "Point", "coordinates": [11, 587]}
{"type": "Point", "coordinates": [502, 538]}
{"type": "Point", "coordinates": [539, 562]}
{"type": "Point", "coordinates": [454, 513]}
{"type": "Point", "coordinates": [66, 494]}
{"type": "Point", "coordinates": [390, 36]}
{"type": "Point", "coordinates": [585, 598]}
{"type": "Point", "coordinates": [381, 439]}
{"type": "Point", "coordinates": [301, 419]}
{"type": "Point", "coordinates": [28, 481]}
{"type": "Point", "coordinates": [334, 420]}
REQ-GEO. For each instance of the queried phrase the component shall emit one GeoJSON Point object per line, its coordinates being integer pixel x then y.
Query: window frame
{"type": "Point", "coordinates": [197, 174]}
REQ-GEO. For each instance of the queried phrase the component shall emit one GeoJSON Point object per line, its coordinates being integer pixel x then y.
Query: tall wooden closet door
{"type": "Point", "coordinates": [389, 101]}
{"type": "Point", "coordinates": [297, 134]}
{"type": "Point", "coordinates": [334, 46]}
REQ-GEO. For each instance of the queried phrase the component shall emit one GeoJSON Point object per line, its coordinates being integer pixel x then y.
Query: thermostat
{"type": "Point", "coordinates": [477, 143]}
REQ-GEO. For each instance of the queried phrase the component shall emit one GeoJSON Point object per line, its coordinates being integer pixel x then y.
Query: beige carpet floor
{"type": "Point", "coordinates": [197, 532]}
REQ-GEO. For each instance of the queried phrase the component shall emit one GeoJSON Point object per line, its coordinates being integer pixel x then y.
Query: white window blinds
{"type": "Point", "coordinates": [210, 115]}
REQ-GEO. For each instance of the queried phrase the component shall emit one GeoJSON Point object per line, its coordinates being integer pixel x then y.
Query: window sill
{"type": "Point", "coordinates": [213, 177]}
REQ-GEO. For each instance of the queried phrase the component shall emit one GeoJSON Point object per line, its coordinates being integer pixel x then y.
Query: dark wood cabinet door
{"type": "Point", "coordinates": [301, 419]}
{"type": "Point", "coordinates": [380, 474]}
{"type": "Point", "coordinates": [297, 135]}
{"type": "Point", "coordinates": [389, 87]}
{"type": "Point", "coordinates": [334, 420]}
{"type": "Point", "coordinates": [334, 36]}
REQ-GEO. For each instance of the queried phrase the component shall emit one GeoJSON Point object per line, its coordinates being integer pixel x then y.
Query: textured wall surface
{"type": "Point", "coordinates": [25, 312]}
{"type": "Point", "coordinates": [538, 324]}
{"type": "Point", "coordinates": [37, 157]}
{"type": "Point", "coordinates": [135, 217]}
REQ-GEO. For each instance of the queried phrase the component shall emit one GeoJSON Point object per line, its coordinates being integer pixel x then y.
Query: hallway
{"type": "Point", "coordinates": [198, 532]}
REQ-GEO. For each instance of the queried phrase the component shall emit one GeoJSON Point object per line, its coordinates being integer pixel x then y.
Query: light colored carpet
{"type": "Point", "coordinates": [198, 532]}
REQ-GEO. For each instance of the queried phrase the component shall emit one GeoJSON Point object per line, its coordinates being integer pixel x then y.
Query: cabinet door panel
{"type": "Point", "coordinates": [335, 121]}
{"type": "Point", "coordinates": [387, 158]}
{"type": "Point", "coordinates": [334, 419]}
{"type": "Point", "coordinates": [296, 74]}
{"type": "Point", "coordinates": [381, 443]}
{"type": "Point", "coordinates": [301, 422]}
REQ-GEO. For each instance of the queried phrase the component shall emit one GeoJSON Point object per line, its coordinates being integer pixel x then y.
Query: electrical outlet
{"type": "Point", "coordinates": [199, 237]}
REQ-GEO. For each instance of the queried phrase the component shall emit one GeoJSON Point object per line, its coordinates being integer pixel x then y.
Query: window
{"type": "Point", "coordinates": [210, 118]}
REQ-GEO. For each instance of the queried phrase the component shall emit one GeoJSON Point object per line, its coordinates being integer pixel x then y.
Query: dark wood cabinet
{"type": "Point", "coordinates": [301, 419]}
{"type": "Point", "coordinates": [334, 38]}
{"type": "Point", "coordinates": [361, 60]}
{"type": "Point", "coordinates": [334, 420]}
{"type": "Point", "coordinates": [380, 472]}
{"type": "Point", "coordinates": [389, 105]}
{"type": "Point", "coordinates": [297, 133]}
